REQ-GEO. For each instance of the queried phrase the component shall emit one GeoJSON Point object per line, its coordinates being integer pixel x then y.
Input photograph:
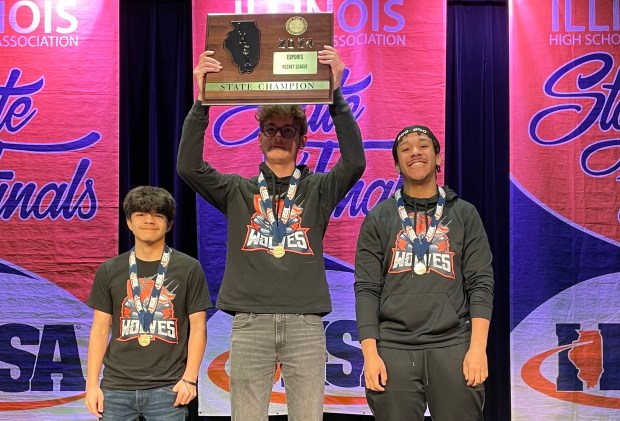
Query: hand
{"type": "Point", "coordinates": [94, 400]}
{"type": "Point", "coordinates": [475, 367]}
{"type": "Point", "coordinates": [185, 392]}
{"type": "Point", "coordinates": [375, 373]}
{"type": "Point", "coordinates": [206, 64]}
{"type": "Point", "coordinates": [331, 57]}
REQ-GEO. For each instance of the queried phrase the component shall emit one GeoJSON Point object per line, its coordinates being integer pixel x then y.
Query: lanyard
{"type": "Point", "coordinates": [146, 314]}
{"type": "Point", "coordinates": [278, 226]}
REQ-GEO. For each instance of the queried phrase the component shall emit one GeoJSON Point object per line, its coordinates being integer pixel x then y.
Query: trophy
{"type": "Point", "coordinates": [269, 59]}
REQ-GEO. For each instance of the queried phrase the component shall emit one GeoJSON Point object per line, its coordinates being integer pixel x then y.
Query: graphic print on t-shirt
{"type": "Point", "coordinates": [164, 324]}
{"type": "Point", "coordinates": [439, 257]}
{"type": "Point", "coordinates": [260, 236]}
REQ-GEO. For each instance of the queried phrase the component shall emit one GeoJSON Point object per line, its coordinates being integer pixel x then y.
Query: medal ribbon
{"type": "Point", "coordinates": [420, 245]}
{"type": "Point", "coordinates": [146, 315]}
{"type": "Point", "coordinates": [278, 226]}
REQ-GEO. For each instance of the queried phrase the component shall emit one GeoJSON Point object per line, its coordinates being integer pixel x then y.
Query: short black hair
{"type": "Point", "coordinates": [149, 199]}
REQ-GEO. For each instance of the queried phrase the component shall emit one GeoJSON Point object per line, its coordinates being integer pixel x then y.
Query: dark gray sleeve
{"type": "Point", "coordinates": [369, 259]}
{"type": "Point", "coordinates": [476, 266]}
{"type": "Point", "coordinates": [198, 174]}
{"type": "Point", "coordinates": [350, 167]}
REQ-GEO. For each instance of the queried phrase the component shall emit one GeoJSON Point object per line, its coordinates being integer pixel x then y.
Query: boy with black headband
{"type": "Point", "coordinates": [274, 282]}
{"type": "Point", "coordinates": [424, 294]}
{"type": "Point", "coordinates": [154, 298]}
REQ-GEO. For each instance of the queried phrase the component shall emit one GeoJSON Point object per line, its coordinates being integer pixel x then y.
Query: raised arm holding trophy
{"type": "Point", "coordinates": [274, 282]}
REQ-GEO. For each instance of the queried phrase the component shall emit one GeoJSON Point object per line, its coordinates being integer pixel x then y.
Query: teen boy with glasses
{"type": "Point", "coordinates": [274, 283]}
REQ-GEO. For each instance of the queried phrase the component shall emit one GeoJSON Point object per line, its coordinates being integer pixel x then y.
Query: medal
{"type": "Point", "coordinates": [278, 251]}
{"type": "Point", "coordinates": [419, 268]}
{"type": "Point", "coordinates": [144, 339]}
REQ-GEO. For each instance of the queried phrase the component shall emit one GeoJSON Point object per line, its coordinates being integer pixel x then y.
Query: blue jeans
{"type": "Point", "coordinates": [258, 342]}
{"type": "Point", "coordinates": [150, 404]}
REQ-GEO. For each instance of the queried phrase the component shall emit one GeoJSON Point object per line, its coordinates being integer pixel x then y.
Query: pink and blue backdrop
{"type": "Point", "coordinates": [58, 195]}
{"type": "Point", "coordinates": [59, 183]}
{"type": "Point", "coordinates": [565, 209]}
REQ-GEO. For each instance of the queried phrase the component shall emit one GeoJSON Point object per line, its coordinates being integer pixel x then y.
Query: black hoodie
{"type": "Point", "coordinates": [254, 280]}
{"type": "Point", "coordinates": [404, 310]}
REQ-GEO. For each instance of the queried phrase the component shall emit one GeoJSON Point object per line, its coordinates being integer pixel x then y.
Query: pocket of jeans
{"type": "Point", "coordinates": [242, 320]}
{"type": "Point", "coordinates": [169, 389]}
{"type": "Point", "coordinates": [311, 319]}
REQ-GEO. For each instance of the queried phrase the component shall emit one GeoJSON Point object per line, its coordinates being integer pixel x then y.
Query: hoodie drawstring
{"type": "Point", "coordinates": [415, 227]}
{"type": "Point", "coordinates": [415, 224]}
{"type": "Point", "coordinates": [425, 232]}
{"type": "Point", "coordinates": [276, 199]}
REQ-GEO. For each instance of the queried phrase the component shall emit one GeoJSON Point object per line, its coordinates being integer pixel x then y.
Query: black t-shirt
{"type": "Point", "coordinates": [127, 364]}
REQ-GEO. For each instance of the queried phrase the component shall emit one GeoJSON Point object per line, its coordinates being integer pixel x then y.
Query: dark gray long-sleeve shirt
{"type": "Point", "coordinates": [404, 310]}
{"type": "Point", "coordinates": [254, 280]}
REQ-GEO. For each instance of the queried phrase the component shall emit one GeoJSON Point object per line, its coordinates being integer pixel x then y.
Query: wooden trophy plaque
{"type": "Point", "coordinates": [269, 59]}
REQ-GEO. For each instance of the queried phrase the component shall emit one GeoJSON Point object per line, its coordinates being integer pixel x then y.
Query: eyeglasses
{"type": "Point", "coordinates": [287, 132]}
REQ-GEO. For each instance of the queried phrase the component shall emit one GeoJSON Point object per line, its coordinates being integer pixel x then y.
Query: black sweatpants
{"type": "Point", "coordinates": [433, 376]}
